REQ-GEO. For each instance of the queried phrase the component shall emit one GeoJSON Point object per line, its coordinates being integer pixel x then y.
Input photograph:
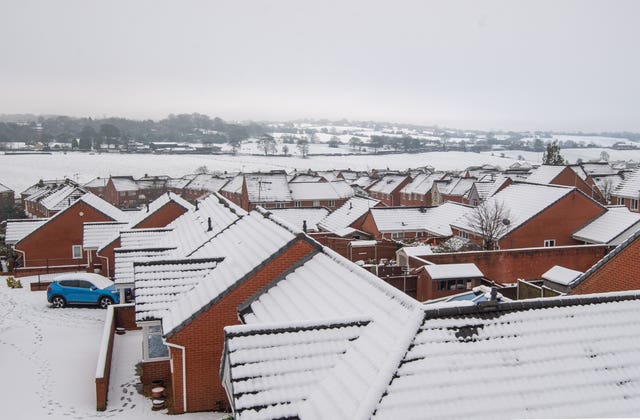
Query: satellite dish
{"type": "Point", "coordinates": [506, 222]}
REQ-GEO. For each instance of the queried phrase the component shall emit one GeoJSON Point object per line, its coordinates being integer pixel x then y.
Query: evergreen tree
{"type": "Point", "coordinates": [552, 155]}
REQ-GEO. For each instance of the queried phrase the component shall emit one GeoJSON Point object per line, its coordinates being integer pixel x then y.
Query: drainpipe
{"type": "Point", "coordinates": [184, 372]}
{"type": "Point", "coordinates": [107, 260]}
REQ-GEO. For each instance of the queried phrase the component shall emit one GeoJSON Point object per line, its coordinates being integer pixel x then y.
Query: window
{"type": "Point", "coordinates": [153, 347]}
{"type": "Point", "coordinates": [122, 193]}
{"type": "Point", "coordinates": [549, 242]}
{"type": "Point", "coordinates": [332, 203]}
{"type": "Point", "coordinates": [463, 234]}
{"type": "Point", "coordinates": [620, 201]}
{"type": "Point", "coordinates": [76, 252]}
{"type": "Point", "coordinates": [298, 204]}
{"type": "Point", "coordinates": [633, 204]}
{"type": "Point", "coordinates": [279, 205]}
{"type": "Point", "coordinates": [316, 203]}
{"type": "Point", "coordinates": [397, 235]}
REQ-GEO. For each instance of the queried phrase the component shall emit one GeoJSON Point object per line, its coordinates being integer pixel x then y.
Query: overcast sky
{"type": "Point", "coordinates": [563, 65]}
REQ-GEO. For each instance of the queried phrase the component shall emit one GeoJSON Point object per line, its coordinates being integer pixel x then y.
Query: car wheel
{"type": "Point", "coordinates": [58, 302]}
{"type": "Point", "coordinates": [105, 301]}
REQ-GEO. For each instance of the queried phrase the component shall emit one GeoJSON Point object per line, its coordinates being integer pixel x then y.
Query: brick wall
{"type": "Point", "coordinates": [621, 272]}
{"type": "Point", "coordinates": [53, 241]}
{"type": "Point", "coordinates": [427, 288]}
{"type": "Point", "coordinates": [558, 222]}
{"type": "Point", "coordinates": [507, 266]}
{"type": "Point", "coordinates": [156, 371]}
{"type": "Point", "coordinates": [203, 337]}
{"type": "Point", "coordinates": [125, 316]}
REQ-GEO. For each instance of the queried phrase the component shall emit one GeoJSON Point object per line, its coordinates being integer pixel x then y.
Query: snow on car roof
{"type": "Point", "coordinates": [99, 281]}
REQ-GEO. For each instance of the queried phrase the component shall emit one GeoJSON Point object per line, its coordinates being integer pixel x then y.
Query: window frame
{"type": "Point", "coordinates": [548, 243]}
{"type": "Point", "coordinates": [75, 248]}
{"type": "Point", "coordinates": [633, 204]}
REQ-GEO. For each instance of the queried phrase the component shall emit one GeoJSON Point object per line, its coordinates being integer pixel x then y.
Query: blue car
{"type": "Point", "coordinates": [82, 288]}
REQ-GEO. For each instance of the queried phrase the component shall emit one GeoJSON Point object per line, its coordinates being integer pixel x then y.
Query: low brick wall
{"type": "Point", "coordinates": [125, 316]}
{"type": "Point", "coordinates": [36, 287]}
{"type": "Point", "coordinates": [507, 266]}
{"type": "Point", "coordinates": [103, 368]}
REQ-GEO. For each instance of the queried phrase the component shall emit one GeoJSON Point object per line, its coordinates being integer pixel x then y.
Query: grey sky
{"type": "Point", "coordinates": [565, 65]}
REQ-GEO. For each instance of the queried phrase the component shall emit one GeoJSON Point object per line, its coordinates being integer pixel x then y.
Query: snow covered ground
{"type": "Point", "coordinates": [20, 171]}
{"type": "Point", "coordinates": [48, 361]}
{"type": "Point", "coordinates": [572, 155]}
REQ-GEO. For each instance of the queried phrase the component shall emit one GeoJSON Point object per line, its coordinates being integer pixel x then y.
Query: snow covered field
{"type": "Point", "coordinates": [572, 155]}
{"type": "Point", "coordinates": [20, 171]}
{"type": "Point", "coordinates": [48, 361]}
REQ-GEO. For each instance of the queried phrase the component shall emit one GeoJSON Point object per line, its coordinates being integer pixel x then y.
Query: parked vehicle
{"type": "Point", "coordinates": [82, 288]}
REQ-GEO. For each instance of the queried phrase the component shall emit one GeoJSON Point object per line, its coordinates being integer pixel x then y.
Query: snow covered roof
{"type": "Point", "coordinates": [267, 187]}
{"type": "Point", "coordinates": [349, 212]}
{"type": "Point", "coordinates": [459, 186]}
{"type": "Point", "coordinates": [159, 283]}
{"type": "Point", "coordinates": [61, 197]}
{"type": "Point", "coordinates": [387, 184]}
{"type": "Point", "coordinates": [545, 174]}
{"type": "Point", "coordinates": [274, 351]}
{"type": "Point", "coordinates": [4, 188]}
{"type": "Point", "coordinates": [142, 238]}
{"type": "Point", "coordinates": [20, 228]}
{"type": "Point", "coordinates": [421, 184]}
{"type": "Point", "coordinates": [191, 230]}
{"type": "Point", "coordinates": [329, 175]}
{"type": "Point", "coordinates": [297, 216]}
{"type": "Point", "coordinates": [561, 275]}
{"type": "Point", "coordinates": [97, 183]}
{"type": "Point", "coordinates": [103, 207]}
{"type": "Point", "coordinates": [157, 204]}
{"type": "Point", "coordinates": [486, 189]}
{"type": "Point", "coordinates": [207, 182]}
{"type": "Point", "coordinates": [609, 226]}
{"type": "Point", "coordinates": [436, 220]}
{"type": "Point", "coordinates": [306, 178]}
{"type": "Point", "coordinates": [329, 287]}
{"type": "Point", "coordinates": [242, 252]}
{"type": "Point", "coordinates": [416, 251]}
{"type": "Point", "coordinates": [234, 186]}
{"type": "Point", "coordinates": [308, 191]}
{"type": "Point", "coordinates": [363, 182]}
{"type": "Point", "coordinates": [549, 358]}
{"type": "Point", "coordinates": [124, 183]}
{"type": "Point", "coordinates": [630, 187]}
{"type": "Point", "coordinates": [522, 201]}
{"type": "Point", "coordinates": [97, 234]}
{"type": "Point", "coordinates": [125, 258]}
{"type": "Point", "coordinates": [452, 271]}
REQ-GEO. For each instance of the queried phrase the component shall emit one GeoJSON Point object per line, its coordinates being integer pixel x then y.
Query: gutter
{"type": "Point", "coordinates": [184, 372]}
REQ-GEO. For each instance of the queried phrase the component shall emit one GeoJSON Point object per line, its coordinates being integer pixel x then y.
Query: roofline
{"type": "Point", "coordinates": [177, 261]}
{"type": "Point", "coordinates": [496, 308]}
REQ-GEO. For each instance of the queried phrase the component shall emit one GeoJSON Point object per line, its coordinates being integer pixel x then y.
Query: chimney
{"type": "Point", "coordinates": [304, 226]}
{"type": "Point", "coordinates": [494, 294]}
{"type": "Point", "coordinates": [197, 205]}
{"type": "Point", "coordinates": [147, 207]}
{"type": "Point", "coordinates": [210, 228]}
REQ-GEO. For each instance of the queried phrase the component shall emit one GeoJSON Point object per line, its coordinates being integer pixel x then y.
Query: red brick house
{"type": "Point", "coordinates": [567, 176]}
{"type": "Point", "coordinates": [537, 215]}
{"type": "Point", "coordinates": [410, 224]}
{"type": "Point", "coordinates": [126, 192]}
{"type": "Point", "coordinates": [628, 192]}
{"type": "Point", "coordinates": [388, 189]}
{"type": "Point", "coordinates": [418, 191]}
{"type": "Point", "coordinates": [192, 322]}
{"type": "Point", "coordinates": [51, 198]}
{"type": "Point", "coordinates": [97, 186]}
{"type": "Point", "coordinates": [56, 245]}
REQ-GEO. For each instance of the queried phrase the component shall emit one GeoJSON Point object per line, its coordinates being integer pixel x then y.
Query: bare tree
{"type": "Point", "coordinates": [267, 144]}
{"type": "Point", "coordinates": [490, 220]}
{"type": "Point", "coordinates": [606, 187]}
{"type": "Point", "coordinates": [303, 147]}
